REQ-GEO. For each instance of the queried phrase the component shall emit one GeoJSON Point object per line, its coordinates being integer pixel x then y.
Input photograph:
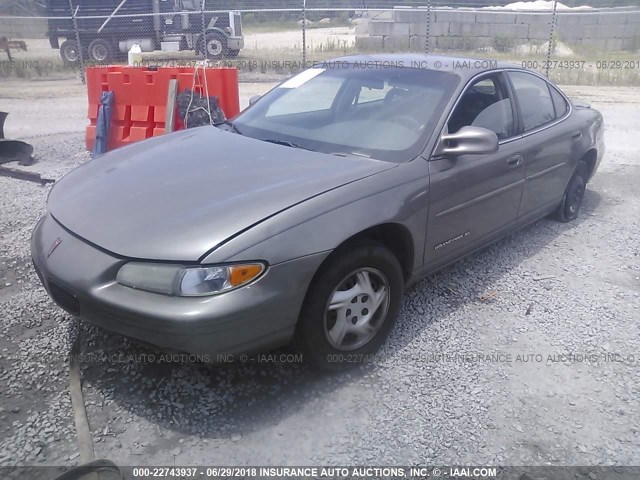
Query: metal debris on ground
{"type": "Point", "coordinates": [544, 277]}
{"type": "Point", "coordinates": [17, 151]}
{"type": "Point", "coordinates": [488, 296]}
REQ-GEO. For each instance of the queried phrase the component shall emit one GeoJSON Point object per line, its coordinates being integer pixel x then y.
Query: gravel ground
{"type": "Point", "coordinates": [521, 354]}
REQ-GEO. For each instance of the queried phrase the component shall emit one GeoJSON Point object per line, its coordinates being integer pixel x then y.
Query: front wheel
{"type": "Point", "coordinates": [569, 209]}
{"type": "Point", "coordinates": [351, 307]}
{"type": "Point", "coordinates": [214, 46]}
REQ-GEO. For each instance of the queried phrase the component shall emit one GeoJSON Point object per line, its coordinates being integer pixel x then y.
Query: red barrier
{"type": "Point", "coordinates": [139, 109]}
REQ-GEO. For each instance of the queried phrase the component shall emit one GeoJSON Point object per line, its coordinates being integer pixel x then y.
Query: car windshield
{"type": "Point", "coordinates": [382, 113]}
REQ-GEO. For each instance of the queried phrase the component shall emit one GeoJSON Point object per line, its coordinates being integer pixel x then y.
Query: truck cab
{"type": "Point", "coordinates": [107, 29]}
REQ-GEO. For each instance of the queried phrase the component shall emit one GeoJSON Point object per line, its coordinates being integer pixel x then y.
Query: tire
{"type": "Point", "coordinates": [569, 208]}
{"type": "Point", "coordinates": [100, 51]}
{"type": "Point", "coordinates": [233, 53]}
{"type": "Point", "coordinates": [329, 344]}
{"type": "Point", "coordinates": [70, 52]}
{"type": "Point", "coordinates": [214, 46]}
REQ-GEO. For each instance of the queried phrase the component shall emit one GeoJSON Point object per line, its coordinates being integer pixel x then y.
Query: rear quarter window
{"type": "Point", "coordinates": [559, 103]}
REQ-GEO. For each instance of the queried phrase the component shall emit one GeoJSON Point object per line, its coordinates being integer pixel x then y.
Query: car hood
{"type": "Point", "coordinates": [179, 196]}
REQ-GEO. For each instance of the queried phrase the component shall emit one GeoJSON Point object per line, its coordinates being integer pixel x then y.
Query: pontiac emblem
{"type": "Point", "coordinates": [55, 245]}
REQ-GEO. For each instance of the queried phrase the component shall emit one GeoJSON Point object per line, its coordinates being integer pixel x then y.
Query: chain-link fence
{"type": "Point", "coordinates": [571, 45]}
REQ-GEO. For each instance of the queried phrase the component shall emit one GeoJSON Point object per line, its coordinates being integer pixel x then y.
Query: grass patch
{"type": "Point", "coordinates": [267, 27]}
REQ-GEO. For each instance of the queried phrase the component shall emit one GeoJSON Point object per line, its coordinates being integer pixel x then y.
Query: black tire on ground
{"type": "Point", "coordinates": [101, 51]}
{"type": "Point", "coordinates": [214, 46]}
{"type": "Point", "coordinates": [70, 52]}
{"type": "Point", "coordinates": [569, 209]}
{"type": "Point", "coordinates": [233, 53]}
{"type": "Point", "coordinates": [337, 307]}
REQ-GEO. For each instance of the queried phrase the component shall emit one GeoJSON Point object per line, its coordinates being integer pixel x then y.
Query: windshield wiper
{"type": "Point", "coordinates": [229, 124]}
{"type": "Point", "coordinates": [285, 143]}
{"type": "Point", "coordinates": [354, 154]}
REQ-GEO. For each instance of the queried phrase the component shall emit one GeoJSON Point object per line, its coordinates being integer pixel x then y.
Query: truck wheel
{"type": "Point", "coordinates": [70, 52]}
{"type": "Point", "coordinates": [100, 51]}
{"type": "Point", "coordinates": [215, 46]}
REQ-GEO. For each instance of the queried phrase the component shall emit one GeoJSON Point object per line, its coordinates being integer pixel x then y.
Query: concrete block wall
{"type": "Point", "coordinates": [23, 28]}
{"type": "Point", "coordinates": [614, 29]}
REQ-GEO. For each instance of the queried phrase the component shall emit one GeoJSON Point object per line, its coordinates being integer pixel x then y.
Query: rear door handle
{"type": "Point", "coordinates": [577, 135]}
{"type": "Point", "coordinates": [515, 160]}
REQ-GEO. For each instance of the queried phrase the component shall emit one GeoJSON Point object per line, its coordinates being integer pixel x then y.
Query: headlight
{"type": "Point", "coordinates": [187, 281]}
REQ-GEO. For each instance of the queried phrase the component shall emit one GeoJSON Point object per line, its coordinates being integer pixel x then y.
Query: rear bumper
{"type": "Point", "coordinates": [81, 279]}
{"type": "Point", "coordinates": [601, 149]}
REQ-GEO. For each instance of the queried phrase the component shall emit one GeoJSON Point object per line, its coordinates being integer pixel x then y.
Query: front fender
{"type": "Point", "coordinates": [218, 30]}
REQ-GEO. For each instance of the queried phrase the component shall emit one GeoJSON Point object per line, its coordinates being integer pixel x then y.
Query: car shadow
{"type": "Point", "coordinates": [212, 401]}
{"type": "Point", "coordinates": [453, 287]}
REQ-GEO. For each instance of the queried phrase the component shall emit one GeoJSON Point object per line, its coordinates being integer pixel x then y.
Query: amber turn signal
{"type": "Point", "coordinates": [241, 274]}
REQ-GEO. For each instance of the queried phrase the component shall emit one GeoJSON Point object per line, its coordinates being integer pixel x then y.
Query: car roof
{"type": "Point", "coordinates": [465, 67]}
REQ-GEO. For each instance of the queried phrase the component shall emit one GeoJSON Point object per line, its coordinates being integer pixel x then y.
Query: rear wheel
{"type": "Point", "coordinates": [569, 209]}
{"type": "Point", "coordinates": [350, 308]}
{"type": "Point", "coordinates": [70, 52]}
{"type": "Point", "coordinates": [100, 51]}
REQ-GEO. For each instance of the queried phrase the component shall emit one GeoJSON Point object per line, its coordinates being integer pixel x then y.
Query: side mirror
{"type": "Point", "coordinates": [468, 141]}
{"type": "Point", "coordinates": [254, 99]}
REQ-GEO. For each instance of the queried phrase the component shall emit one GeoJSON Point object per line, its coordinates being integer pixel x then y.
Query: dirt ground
{"type": "Point", "coordinates": [567, 293]}
{"type": "Point", "coordinates": [317, 38]}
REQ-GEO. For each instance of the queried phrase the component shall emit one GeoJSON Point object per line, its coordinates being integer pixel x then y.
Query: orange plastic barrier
{"type": "Point", "coordinates": [139, 109]}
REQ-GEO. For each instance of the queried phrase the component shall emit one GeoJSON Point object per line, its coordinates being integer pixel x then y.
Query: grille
{"type": "Point", "coordinates": [237, 24]}
{"type": "Point", "coordinates": [64, 298]}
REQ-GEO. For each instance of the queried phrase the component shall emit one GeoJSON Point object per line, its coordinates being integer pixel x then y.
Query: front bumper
{"type": "Point", "coordinates": [235, 43]}
{"type": "Point", "coordinates": [80, 278]}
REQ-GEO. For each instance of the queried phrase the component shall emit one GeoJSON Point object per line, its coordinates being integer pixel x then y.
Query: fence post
{"type": "Point", "coordinates": [75, 27]}
{"type": "Point", "coordinates": [427, 45]}
{"type": "Point", "coordinates": [204, 31]}
{"type": "Point", "coordinates": [304, 34]}
{"type": "Point", "coordinates": [552, 31]}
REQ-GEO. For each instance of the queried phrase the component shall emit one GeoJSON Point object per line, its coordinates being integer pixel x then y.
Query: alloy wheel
{"type": "Point", "coordinates": [356, 309]}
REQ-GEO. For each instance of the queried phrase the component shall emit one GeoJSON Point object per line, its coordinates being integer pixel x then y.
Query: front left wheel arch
{"type": "Point", "coordinates": [393, 236]}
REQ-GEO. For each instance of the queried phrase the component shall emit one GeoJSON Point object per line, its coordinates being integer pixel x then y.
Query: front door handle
{"type": "Point", "coordinates": [577, 135]}
{"type": "Point", "coordinates": [515, 160]}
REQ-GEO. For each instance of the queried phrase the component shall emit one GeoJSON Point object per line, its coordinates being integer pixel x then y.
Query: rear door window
{"type": "Point", "coordinates": [534, 100]}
